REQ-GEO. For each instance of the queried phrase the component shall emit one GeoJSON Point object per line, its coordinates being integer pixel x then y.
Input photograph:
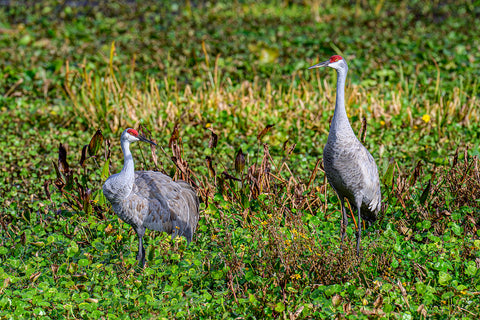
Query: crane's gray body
{"type": "Point", "coordinates": [156, 202]}
{"type": "Point", "coordinates": [349, 167]}
{"type": "Point", "coordinates": [151, 200]}
{"type": "Point", "coordinates": [352, 173]}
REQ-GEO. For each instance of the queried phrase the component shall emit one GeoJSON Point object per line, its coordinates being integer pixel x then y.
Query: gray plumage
{"type": "Point", "coordinates": [350, 168]}
{"type": "Point", "coordinates": [151, 200]}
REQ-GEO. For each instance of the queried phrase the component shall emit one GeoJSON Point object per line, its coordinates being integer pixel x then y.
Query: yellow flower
{"type": "Point", "coordinates": [108, 229]}
{"type": "Point", "coordinates": [426, 118]}
{"type": "Point", "coordinates": [382, 123]}
{"type": "Point", "coordinates": [119, 237]}
{"type": "Point", "coordinates": [214, 236]}
{"type": "Point", "coordinates": [295, 276]}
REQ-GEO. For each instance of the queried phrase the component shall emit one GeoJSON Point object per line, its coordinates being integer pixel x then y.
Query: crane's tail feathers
{"type": "Point", "coordinates": [187, 215]}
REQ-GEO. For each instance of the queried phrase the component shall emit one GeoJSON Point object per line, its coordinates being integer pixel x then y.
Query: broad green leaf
{"type": "Point", "coordinates": [426, 224]}
{"type": "Point", "coordinates": [425, 193]}
{"type": "Point", "coordinates": [279, 307]}
{"type": "Point", "coordinates": [105, 170]}
{"type": "Point", "coordinates": [476, 243]}
{"type": "Point", "coordinates": [99, 197]}
{"type": "Point", "coordinates": [50, 240]}
{"type": "Point", "coordinates": [26, 39]}
{"type": "Point", "coordinates": [207, 296]}
{"type": "Point", "coordinates": [421, 288]}
{"type": "Point", "coordinates": [268, 55]}
{"type": "Point", "coordinates": [447, 295]}
{"type": "Point", "coordinates": [70, 182]}
{"type": "Point", "coordinates": [444, 278]}
{"type": "Point", "coordinates": [73, 249]}
{"type": "Point", "coordinates": [83, 262]}
{"type": "Point", "coordinates": [471, 268]}
{"type": "Point", "coordinates": [388, 308]}
{"type": "Point", "coordinates": [461, 287]}
{"type": "Point", "coordinates": [388, 176]}
{"type": "Point", "coordinates": [95, 143]}
{"type": "Point", "coordinates": [457, 229]}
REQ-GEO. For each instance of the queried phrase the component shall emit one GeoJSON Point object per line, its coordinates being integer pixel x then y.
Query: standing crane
{"type": "Point", "coordinates": [151, 200]}
{"type": "Point", "coordinates": [350, 168]}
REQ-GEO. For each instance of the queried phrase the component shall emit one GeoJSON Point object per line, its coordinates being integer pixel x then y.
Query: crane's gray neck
{"type": "Point", "coordinates": [340, 125]}
{"type": "Point", "coordinates": [120, 185]}
{"type": "Point", "coordinates": [128, 165]}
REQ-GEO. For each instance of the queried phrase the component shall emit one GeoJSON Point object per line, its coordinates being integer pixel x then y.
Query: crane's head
{"type": "Point", "coordinates": [131, 135]}
{"type": "Point", "coordinates": [335, 62]}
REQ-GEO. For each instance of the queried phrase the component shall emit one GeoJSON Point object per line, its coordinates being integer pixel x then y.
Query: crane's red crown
{"type": "Point", "coordinates": [133, 132]}
{"type": "Point", "coordinates": [335, 58]}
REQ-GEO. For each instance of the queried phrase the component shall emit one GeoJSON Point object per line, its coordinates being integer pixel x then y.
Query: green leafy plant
{"type": "Point", "coordinates": [210, 77]}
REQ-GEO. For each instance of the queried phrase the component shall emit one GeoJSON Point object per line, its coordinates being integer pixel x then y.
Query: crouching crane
{"type": "Point", "coordinates": [151, 200]}
{"type": "Point", "coordinates": [350, 168]}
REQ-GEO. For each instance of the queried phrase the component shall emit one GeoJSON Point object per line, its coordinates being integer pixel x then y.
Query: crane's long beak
{"type": "Point", "coordinates": [146, 140]}
{"type": "Point", "coordinates": [321, 64]}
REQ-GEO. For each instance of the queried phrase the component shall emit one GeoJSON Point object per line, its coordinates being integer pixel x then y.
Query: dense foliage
{"type": "Point", "coordinates": [228, 82]}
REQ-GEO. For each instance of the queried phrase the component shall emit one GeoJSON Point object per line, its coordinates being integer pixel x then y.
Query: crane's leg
{"type": "Point", "coordinates": [359, 227]}
{"type": "Point", "coordinates": [141, 249]}
{"type": "Point", "coordinates": [343, 227]}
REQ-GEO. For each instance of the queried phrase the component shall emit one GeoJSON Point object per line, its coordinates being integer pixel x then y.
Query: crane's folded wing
{"type": "Point", "coordinates": [172, 205]}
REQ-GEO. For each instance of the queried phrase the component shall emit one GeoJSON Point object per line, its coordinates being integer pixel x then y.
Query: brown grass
{"type": "Point", "coordinates": [105, 98]}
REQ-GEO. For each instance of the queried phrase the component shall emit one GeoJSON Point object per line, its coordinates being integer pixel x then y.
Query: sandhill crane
{"type": "Point", "coordinates": [151, 200]}
{"type": "Point", "coordinates": [350, 168]}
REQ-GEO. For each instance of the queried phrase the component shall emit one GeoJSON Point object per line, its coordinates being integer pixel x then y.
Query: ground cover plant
{"type": "Point", "coordinates": [227, 82]}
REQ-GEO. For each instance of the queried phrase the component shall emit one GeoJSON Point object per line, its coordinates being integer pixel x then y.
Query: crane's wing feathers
{"type": "Point", "coordinates": [373, 196]}
{"type": "Point", "coordinates": [352, 172]}
{"type": "Point", "coordinates": [172, 205]}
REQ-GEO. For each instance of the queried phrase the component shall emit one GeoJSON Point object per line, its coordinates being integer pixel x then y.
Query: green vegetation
{"type": "Point", "coordinates": [268, 243]}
